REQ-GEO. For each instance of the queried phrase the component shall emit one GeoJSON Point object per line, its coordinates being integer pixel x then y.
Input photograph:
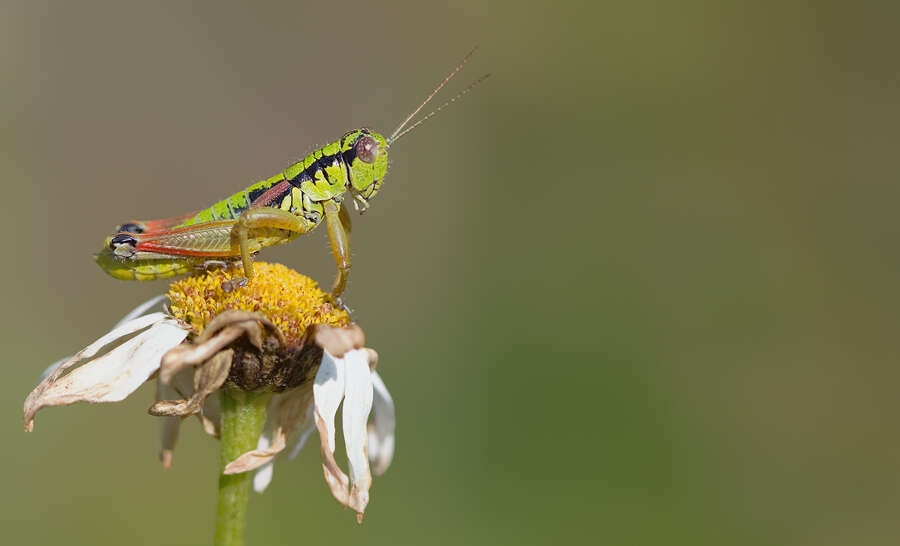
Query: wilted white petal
{"type": "Point", "coordinates": [381, 430]}
{"type": "Point", "coordinates": [357, 405]}
{"type": "Point", "coordinates": [153, 304]}
{"type": "Point", "coordinates": [328, 391]}
{"type": "Point", "coordinates": [263, 476]}
{"type": "Point", "coordinates": [114, 375]}
{"type": "Point", "coordinates": [120, 331]}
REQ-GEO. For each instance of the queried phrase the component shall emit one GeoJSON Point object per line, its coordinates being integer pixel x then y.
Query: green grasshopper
{"type": "Point", "coordinates": [270, 212]}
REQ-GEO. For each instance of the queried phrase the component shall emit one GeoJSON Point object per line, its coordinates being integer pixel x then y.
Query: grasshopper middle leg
{"type": "Point", "coordinates": [263, 217]}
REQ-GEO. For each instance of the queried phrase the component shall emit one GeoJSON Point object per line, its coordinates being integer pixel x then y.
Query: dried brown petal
{"type": "Point", "coordinates": [207, 379]}
{"type": "Point", "coordinates": [187, 354]}
{"type": "Point", "coordinates": [372, 357]}
{"type": "Point", "coordinates": [337, 481]}
{"type": "Point", "coordinates": [235, 317]}
{"type": "Point", "coordinates": [254, 459]}
{"type": "Point", "coordinates": [337, 341]}
{"type": "Point", "coordinates": [221, 332]}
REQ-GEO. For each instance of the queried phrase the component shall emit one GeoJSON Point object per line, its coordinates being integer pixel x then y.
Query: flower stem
{"type": "Point", "coordinates": [243, 417]}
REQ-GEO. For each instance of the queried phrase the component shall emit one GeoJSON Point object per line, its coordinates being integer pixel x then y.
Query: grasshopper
{"type": "Point", "coordinates": [270, 212]}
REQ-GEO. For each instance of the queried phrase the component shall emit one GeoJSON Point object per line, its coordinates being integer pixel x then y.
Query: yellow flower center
{"type": "Point", "coordinates": [291, 300]}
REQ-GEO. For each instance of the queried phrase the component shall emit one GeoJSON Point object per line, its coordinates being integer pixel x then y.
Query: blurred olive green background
{"type": "Point", "coordinates": [638, 288]}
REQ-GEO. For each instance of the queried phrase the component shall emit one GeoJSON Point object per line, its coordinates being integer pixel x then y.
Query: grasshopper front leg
{"type": "Point", "coordinates": [263, 217]}
{"type": "Point", "coordinates": [339, 235]}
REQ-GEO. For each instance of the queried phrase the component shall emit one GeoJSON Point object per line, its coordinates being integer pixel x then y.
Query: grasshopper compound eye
{"type": "Point", "coordinates": [366, 149]}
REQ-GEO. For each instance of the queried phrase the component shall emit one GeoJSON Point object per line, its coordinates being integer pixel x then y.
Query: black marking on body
{"type": "Point", "coordinates": [301, 177]}
{"type": "Point", "coordinates": [309, 173]}
{"type": "Point", "coordinates": [235, 212]}
{"type": "Point", "coordinates": [325, 161]}
{"type": "Point", "coordinates": [349, 155]}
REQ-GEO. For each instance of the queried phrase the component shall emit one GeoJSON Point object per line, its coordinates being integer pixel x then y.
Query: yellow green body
{"type": "Point", "coordinates": [270, 212]}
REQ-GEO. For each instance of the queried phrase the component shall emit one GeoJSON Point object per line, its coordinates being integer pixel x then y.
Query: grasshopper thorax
{"type": "Point", "coordinates": [365, 154]}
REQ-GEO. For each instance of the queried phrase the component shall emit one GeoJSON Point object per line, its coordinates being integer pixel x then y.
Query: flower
{"type": "Point", "coordinates": [279, 334]}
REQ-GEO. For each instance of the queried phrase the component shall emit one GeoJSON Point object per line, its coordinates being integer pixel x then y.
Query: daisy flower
{"type": "Point", "coordinates": [262, 367]}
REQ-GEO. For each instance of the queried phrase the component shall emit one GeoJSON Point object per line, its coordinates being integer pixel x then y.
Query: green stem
{"type": "Point", "coordinates": [243, 417]}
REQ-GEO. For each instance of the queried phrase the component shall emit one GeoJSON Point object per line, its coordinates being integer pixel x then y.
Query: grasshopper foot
{"type": "Point", "coordinates": [234, 284]}
{"type": "Point", "coordinates": [339, 303]}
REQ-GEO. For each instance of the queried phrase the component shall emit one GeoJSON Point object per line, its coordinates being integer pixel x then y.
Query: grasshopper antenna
{"type": "Point", "coordinates": [397, 132]}
{"type": "Point", "coordinates": [439, 108]}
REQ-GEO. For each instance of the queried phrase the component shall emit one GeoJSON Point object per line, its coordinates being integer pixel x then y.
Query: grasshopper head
{"type": "Point", "coordinates": [365, 153]}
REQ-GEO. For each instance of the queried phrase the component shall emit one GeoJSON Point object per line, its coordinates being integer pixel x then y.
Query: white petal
{"type": "Point", "coordinates": [142, 309]}
{"type": "Point", "coordinates": [115, 334]}
{"type": "Point", "coordinates": [357, 405]}
{"type": "Point", "coordinates": [118, 373]}
{"type": "Point", "coordinates": [328, 391]}
{"type": "Point", "coordinates": [381, 431]}
{"type": "Point", "coordinates": [114, 375]}
{"type": "Point", "coordinates": [153, 304]}
{"type": "Point", "coordinates": [263, 476]}
{"type": "Point", "coordinates": [119, 331]}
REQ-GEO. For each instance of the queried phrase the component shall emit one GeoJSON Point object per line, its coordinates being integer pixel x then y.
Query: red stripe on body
{"type": "Point", "coordinates": [271, 195]}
